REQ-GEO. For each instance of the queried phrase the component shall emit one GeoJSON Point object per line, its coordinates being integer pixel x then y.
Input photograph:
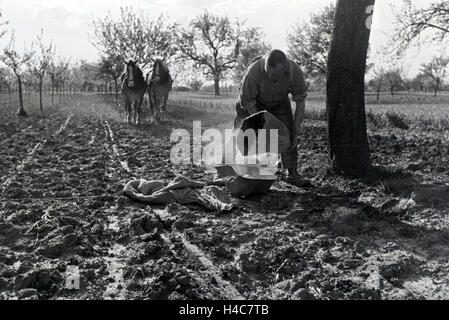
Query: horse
{"type": "Point", "coordinates": [134, 88]}
{"type": "Point", "coordinates": [159, 88]}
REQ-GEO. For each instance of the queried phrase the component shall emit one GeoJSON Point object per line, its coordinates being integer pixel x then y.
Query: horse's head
{"type": "Point", "coordinates": [132, 73]}
{"type": "Point", "coordinates": [160, 71]}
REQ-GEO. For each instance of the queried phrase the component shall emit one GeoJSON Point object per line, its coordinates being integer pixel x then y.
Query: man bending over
{"type": "Point", "coordinates": [266, 86]}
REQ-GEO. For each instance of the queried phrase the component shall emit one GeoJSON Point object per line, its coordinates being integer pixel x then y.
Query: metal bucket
{"type": "Point", "coordinates": [264, 120]}
{"type": "Point", "coordinates": [248, 179]}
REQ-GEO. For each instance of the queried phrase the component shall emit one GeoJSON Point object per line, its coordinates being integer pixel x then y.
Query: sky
{"type": "Point", "coordinates": [68, 22]}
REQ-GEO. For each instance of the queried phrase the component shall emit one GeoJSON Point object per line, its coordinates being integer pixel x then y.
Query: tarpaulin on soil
{"type": "Point", "coordinates": [180, 190]}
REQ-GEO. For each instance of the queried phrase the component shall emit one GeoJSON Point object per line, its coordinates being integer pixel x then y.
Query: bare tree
{"type": "Point", "coordinates": [5, 81]}
{"type": "Point", "coordinates": [213, 43]}
{"type": "Point", "coordinates": [133, 37]}
{"type": "Point", "coordinates": [63, 74]}
{"type": "Point", "coordinates": [4, 77]}
{"type": "Point", "coordinates": [309, 42]}
{"type": "Point", "coordinates": [413, 22]}
{"type": "Point", "coordinates": [378, 81]}
{"type": "Point", "coordinates": [183, 72]}
{"type": "Point", "coordinates": [348, 141]}
{"type": "Point", "coordinates": [3, 25]}
{"type": "Point", "coordinates": [59, 73]}
{"type": "Point", "coordinates": [6, 74]}
{"type": "Point", "coordinates": [420, 82]}
{"type": "Point", "coordinates": [252, 47]}
{"type": "Point", "coordinates": [436, 70]}
{"type": "Point", "coordinates": [17, 63]}
{"type": "Point", "coordinates": [394, 79]}
{"type": "Point", "coordinates": [41, 62]}
{"type": "Point", "coordinates": [196, 84]}
{"type": "Point", "coordinates": [85, 75]}
{"type": "Point", "coordinates": [111, 67]}
{"type": "Point", "coordinates": [52, 73]}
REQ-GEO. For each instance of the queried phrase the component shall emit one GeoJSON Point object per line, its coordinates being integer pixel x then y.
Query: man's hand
{"type": "Point", "coordinates": [299, 116]}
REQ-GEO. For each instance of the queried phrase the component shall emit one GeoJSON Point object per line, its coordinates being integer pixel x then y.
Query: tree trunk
{"type": "Point", "coordinates": [348, 141]}
{"type": "Point", "coordinates": [21, 112]}
{"type": "Point", "coordinates": [217, 84]}
{"type": "Point", "coordinates": [378, 95]}
{"type": "Point", "coordinates": [41, 105]}
{"type": "Point", "coordinates": [437, 87]}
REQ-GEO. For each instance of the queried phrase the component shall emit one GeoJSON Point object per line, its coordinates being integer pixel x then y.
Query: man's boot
{"type": "Point", "coordinates": [295, 179]}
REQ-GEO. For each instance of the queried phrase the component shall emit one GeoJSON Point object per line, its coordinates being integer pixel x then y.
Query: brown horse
{"type": "Point", "coordinates": [159, 89]}
{"type": "Point", "coordinates": [134, 88]}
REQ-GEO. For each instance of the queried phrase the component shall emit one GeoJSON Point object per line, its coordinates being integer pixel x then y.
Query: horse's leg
{"type": "Point", "coordinates": [155, 107]}
{"type": "Point", "coordinates": [125, 104]}
{"type": "Point", "coordinates": [135, 112]}
{"type": "Point", "coordinates": [128, 111]}
{"type": "Point", "coordinates": [164, 106]}
{"type": "Point", "coordinates": [158, 108]}
{"type": "Point", "coordinates": [151, 103]}
{"type": "Point", "coordinates": [139, 110]}
{"type": "Point", "coordinates": [131, 104]}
